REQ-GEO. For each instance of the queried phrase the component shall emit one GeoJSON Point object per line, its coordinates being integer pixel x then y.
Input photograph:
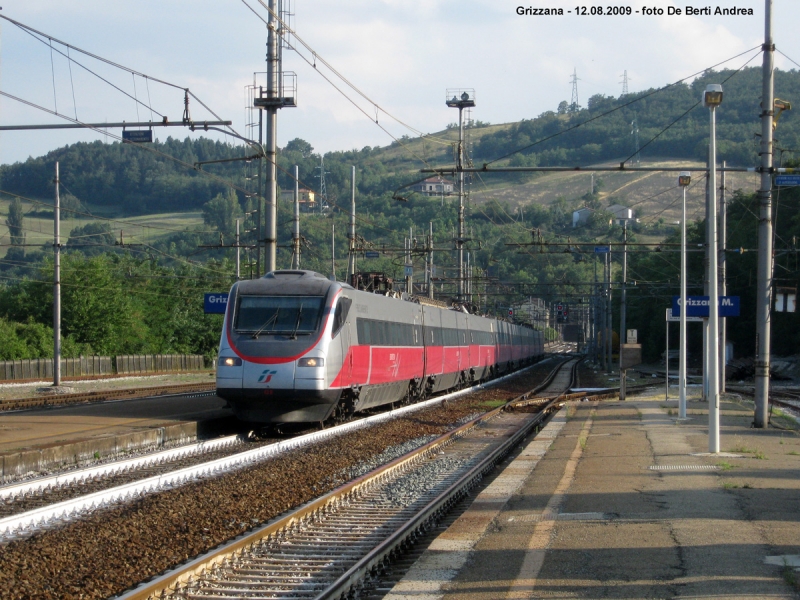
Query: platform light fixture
{"type": "Point", "coordinates": [713, 95]}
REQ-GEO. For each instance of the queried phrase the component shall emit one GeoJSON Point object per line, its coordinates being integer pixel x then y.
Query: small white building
{"type": "Point", "coordinates": [581, 216]}
{"type": "Point", "coordinates": [620, 213]}
{"type": "Point", "coordinates": [434, 186]}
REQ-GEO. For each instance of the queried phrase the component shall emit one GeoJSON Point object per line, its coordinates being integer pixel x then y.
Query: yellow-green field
{"type": "Point", "coordinates": [141, 229]}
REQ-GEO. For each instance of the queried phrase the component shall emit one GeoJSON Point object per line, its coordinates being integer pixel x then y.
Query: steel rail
{"type": "Point", "coordinates": [374, 559]}
{"type": "Point", "coordinates": [183, 576]}
{"type": "Point", "coordinates": [111, 468]}
{"type": "Point", "coordinates": [23, 523]}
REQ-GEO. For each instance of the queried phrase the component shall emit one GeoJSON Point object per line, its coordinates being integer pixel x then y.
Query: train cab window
{"type": "Point", "coordinates": [278, 315]}
{"type": "Point", "coordinates": [340, 315]}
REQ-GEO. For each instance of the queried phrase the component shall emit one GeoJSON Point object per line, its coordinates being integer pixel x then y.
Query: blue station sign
{"type": "Point", "coordinates": [602, 249]}
{"type": "Point", "coordinates": [137, 136]}
{"type": "Point", "coordinates": [372, 254]}
{"type": "Point", "coordinates": [697, 306]}
{"type": "Point", "coordinates": [215, 304]}
{"type": "Point", "coordinates": [787, 180]}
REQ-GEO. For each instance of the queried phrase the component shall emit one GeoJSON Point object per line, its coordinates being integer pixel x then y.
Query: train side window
{"type": "Point", "coordinates": [362, 325]}
{"type": "Point", "coordinates": [340, 315]}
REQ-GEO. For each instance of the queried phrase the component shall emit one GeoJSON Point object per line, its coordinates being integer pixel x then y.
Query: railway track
{"type": "Point", "coordinates": [329, 547]}
{"type": "Point", "coordinates": [198, 389]}
{"type": "Point", "coordinates": [777, 397]}
{"type": "Point", "coordinates": [41, 492]}
{"type": "Point", "coordinates": [108, 535]}
{"type": "Point", "coordinates": [29, 506]}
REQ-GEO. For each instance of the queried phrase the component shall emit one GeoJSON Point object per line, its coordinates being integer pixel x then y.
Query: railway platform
{"type": "Point", "coordinates": [43, 438]}
{"type": "Point", "coordinates": [622, 500]}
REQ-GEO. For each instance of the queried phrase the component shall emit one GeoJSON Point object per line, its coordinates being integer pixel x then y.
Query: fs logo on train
{"type": "Point", "coordinates": [266, 376]}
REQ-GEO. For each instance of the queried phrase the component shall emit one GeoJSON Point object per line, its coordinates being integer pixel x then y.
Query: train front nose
{"type": "Point", "coordinates": [268, 376]}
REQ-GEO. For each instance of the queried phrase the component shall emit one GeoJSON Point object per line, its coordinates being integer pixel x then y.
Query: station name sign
{"type": "Point", "coordinates": [215, 304]}
{"type": "Point", "coordinates": [697, 306]}
{"type": "Point", "coordinates": [138, 136]}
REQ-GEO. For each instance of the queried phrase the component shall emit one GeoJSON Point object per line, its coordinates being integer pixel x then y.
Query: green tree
{"type": "Point", "coordinates": [221, 212]}
{"type": "Point", "coordinates": [92, 238]}
{"type": "Point", "coordinates": [15, 222]}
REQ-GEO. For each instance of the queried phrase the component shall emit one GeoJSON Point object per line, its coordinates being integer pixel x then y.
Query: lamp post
{"type": "Point", "coordinates": [461, 99]}
{"type": "Point", "coordinates": [712, 98]}
{"type": "Point", "coordinates": [684, 179]}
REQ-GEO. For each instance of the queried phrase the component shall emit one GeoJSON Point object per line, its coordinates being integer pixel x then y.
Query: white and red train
{"type": "Point", "coordinates": [297, 347]}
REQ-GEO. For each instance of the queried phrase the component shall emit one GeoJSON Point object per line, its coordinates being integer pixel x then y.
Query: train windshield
{"type": "Point", "coordinates": [290, 315]}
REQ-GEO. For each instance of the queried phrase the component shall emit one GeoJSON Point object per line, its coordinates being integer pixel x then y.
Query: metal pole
{"type": "Point", "coordinates": [460, 240]}
{"type": "Point", "coordinates": [723, 287]}
{"type": "Point", "coordinates": [57, 285]}
{"type": "Point", "coordinates": [666, 363]}
{"type": "Point", "coordinates": [333, 251]}
{"type": "Point", "coordinates": [351, 259]}
{"type": "Point", "coordinates": [610, 326]}
{"type": "Point", "coordinates": [238, 252]}
{"type": "Point", "coordinates": [713, 300]}
{"type": "Point", "coordinates": [622, 316]}
{"type": "Point", "coordinates": [682, 347]}
{"type": "Point", "coordinates": [430, 259]}
{"type": "Point", "coordinates": [273, 72]}
{"type": "Point", "coordinates": [764, 278]}
{"type": "Point", "coordinates": [260, 209]}
{"type": "Point", "coordinates": [593, 321]}
{"type": "Point", "coordinates": [296, 230]}
{"type": "Point", "coordinates": [705, 293]}
{"type": "Point", "coordinates": [468, 279]}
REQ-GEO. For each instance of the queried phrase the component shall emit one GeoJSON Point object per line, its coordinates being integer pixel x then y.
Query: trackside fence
{"type": "Point", "coordinates": [159, 363]}
{"type": "Point", "coordinates": [42, 368]}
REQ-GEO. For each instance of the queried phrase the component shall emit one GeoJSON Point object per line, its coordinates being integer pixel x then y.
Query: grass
{"type": "Point", "coordinates": [493, 403]}
{"type": "Point", "coordinates": [794, 453]}
{"type": "Point", "coordinates": [742, 449]}
{"type": "Point", "coordinates": [582, 441]}
{"type": "Point", "coordinates": [729, 485]}
{"type": "Point", "coordinates": [571, 410]}
{"type": "Point", "coordinates": [725, 466]}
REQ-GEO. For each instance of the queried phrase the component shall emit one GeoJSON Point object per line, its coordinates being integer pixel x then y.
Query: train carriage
{"type": "Point", "coordinates": [297, 347]}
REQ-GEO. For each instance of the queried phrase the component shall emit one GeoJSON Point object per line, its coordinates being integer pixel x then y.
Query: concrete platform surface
{"type": "Point", "coordinates": [620, 500]}
{"type": "Point", "coordinates": [44, 439]}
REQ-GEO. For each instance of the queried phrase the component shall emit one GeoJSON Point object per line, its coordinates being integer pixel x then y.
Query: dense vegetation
{"type": "Point", "coordinates": [149, 298]}
{"type": "Point", "coordinates": [609, 137]}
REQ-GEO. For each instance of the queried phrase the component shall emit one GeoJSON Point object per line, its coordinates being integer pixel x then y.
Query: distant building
{"type": "Point", "coordinates": [433, 186]}
{"type": "Point", "coordinates": [535, 311]}
{"type": "Point", "coordinates": [581, 216]}
{"type": "Point", "coordinates": [620, 213]}
{"type": "Point", "coordinates": [308, 199]}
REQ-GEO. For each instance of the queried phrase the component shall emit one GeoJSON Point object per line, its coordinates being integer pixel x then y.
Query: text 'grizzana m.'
{"type": "Point", "coordinates": [297, 347]}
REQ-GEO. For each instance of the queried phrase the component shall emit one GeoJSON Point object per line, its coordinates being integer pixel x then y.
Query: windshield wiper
{"type": "Point", "coordinates": [297, 323]}
{"type": "Point", "coordinates": [269, 322]}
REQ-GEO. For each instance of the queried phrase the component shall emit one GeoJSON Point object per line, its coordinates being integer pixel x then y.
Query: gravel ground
{"type": "Point", "coordinates": [116, 548]}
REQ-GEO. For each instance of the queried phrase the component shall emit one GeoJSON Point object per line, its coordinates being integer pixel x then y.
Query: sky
{"type": "Point", "coordinates": [402, 54]}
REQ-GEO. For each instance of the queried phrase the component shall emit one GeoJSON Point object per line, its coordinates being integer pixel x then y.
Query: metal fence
{"type": "Point", "coordinates": [42, 368]}
{"type": "Point", "coordinates": [159, 363]}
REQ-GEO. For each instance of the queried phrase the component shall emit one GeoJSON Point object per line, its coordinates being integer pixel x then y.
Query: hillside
{"type": "Point", "coordinates": [174, 217]}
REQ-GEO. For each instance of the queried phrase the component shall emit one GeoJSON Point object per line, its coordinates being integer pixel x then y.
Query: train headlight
{"type": "Point", "coordinates": [311, 362]}
{"type": "Point", "coordinates": [230, 362]}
